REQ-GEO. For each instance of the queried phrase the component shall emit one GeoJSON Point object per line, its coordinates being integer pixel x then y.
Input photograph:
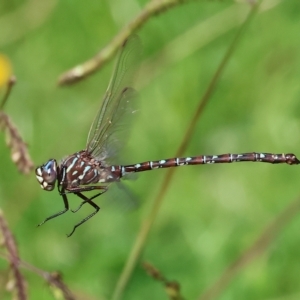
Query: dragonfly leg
{"type": "Point", "coordinates": [86, 189]}
{"type": "Point", "coordinates": [65, 199]}
{"type": "Point", "coordinates": [86, 200]}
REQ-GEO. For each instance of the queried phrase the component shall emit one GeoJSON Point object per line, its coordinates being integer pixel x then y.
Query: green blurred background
{"type": "Point", "coordinates": [211, 214]}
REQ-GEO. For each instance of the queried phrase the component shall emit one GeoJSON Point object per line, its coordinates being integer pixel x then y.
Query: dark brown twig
{"type": "Point", "coordinates": [19, 283]}
{"type": "Point", "coordinates": [10, 84]}
{"type": "Point", "coordinates": [172, 287]}
{"type": "Point", "coordinates": [54, 279]}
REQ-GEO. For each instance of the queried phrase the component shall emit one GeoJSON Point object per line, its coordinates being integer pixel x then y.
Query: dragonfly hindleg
{"type": "Point", "coordinates": [86, 200]}
{"type": "Point", "coordinates": [86, 189]}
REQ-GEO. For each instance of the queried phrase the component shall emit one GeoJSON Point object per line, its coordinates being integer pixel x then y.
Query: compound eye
{"type": "Point", "coordinates": [47, 175]}
{"type": "Point", "coordinates": [49, 172]}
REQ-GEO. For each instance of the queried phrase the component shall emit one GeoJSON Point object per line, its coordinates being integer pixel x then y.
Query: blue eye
{"type": "Point", "coordinates": [49, 166]}
{"type": "Point", "coordinates": [47, 174]}
{"type": "Point", "coordinates": [49, 171]}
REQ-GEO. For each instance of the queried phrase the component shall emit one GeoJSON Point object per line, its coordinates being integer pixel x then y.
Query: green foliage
{"type": "Point", "coordinates": [211, 214]}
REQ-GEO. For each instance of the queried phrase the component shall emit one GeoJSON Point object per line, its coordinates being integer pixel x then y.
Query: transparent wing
{"type": "Point", "coordinates": [118, 102]}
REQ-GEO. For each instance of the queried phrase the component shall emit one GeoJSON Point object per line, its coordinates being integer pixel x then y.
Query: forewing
{"type": "Point", "coordinates": [119, 101]}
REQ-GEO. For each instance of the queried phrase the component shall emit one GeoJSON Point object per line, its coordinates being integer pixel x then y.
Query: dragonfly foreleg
{"type": "Point", "coordinates": [65, 199]}
{"type": "Point", "coordinates": [86, 200]}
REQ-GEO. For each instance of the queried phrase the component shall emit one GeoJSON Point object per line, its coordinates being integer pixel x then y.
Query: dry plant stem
{"type": "Point", "coordinates": [153, 272]}
{"type": "Point", "coordinates": [10, 84]}
{"type": "Point", "coordinates": [19, 151]}
{"type": "Point", "coordinates": [146, 226]}
{"type": "Point", "coordinates": [81, 71]}
{"type": "Point", "coordinates": [172, 287]}
{"type": "Point", "coordinates": [54, 278]}
{"type": "Point", "coordinates": [268, 235]}
{"type": "Point", "coordinates": [13, 258]}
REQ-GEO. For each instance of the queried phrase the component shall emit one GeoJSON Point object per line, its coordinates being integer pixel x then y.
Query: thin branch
{"type": "Point", "coordinates": [19, 284]}
{"type": "Point", "coordinates": [83, 70]}
{"type": "Point", "coordinates": [268, 235]}
{"type": "Point", "coordinates": [12, 80]}
{"type": "Point", "coordinates": [172, 287]}
{"type": "Point", "coordinates": [146, 226]}
{"type": "Point", "coordinates": [54, 279]}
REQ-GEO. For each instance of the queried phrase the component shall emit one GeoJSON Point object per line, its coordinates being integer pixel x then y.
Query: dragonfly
{"type": "Point", "coordinates": [90, 169]}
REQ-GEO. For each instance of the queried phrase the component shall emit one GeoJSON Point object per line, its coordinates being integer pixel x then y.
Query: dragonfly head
{"type": "Point", "coordinates": [47, 175]}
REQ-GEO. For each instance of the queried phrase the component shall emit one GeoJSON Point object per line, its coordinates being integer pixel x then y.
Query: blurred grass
{"type": "Point", "coordinates": [211, 214]}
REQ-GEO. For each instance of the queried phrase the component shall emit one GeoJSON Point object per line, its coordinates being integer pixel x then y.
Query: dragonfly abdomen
{"type": "Point", "coordinates": [211, 159]}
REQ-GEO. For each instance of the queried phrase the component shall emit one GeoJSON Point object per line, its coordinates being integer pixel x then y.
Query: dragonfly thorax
{"type": "Point", "coordinates": [82, 168]}
{"type": "Point", "coordinates": [47, 175]}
